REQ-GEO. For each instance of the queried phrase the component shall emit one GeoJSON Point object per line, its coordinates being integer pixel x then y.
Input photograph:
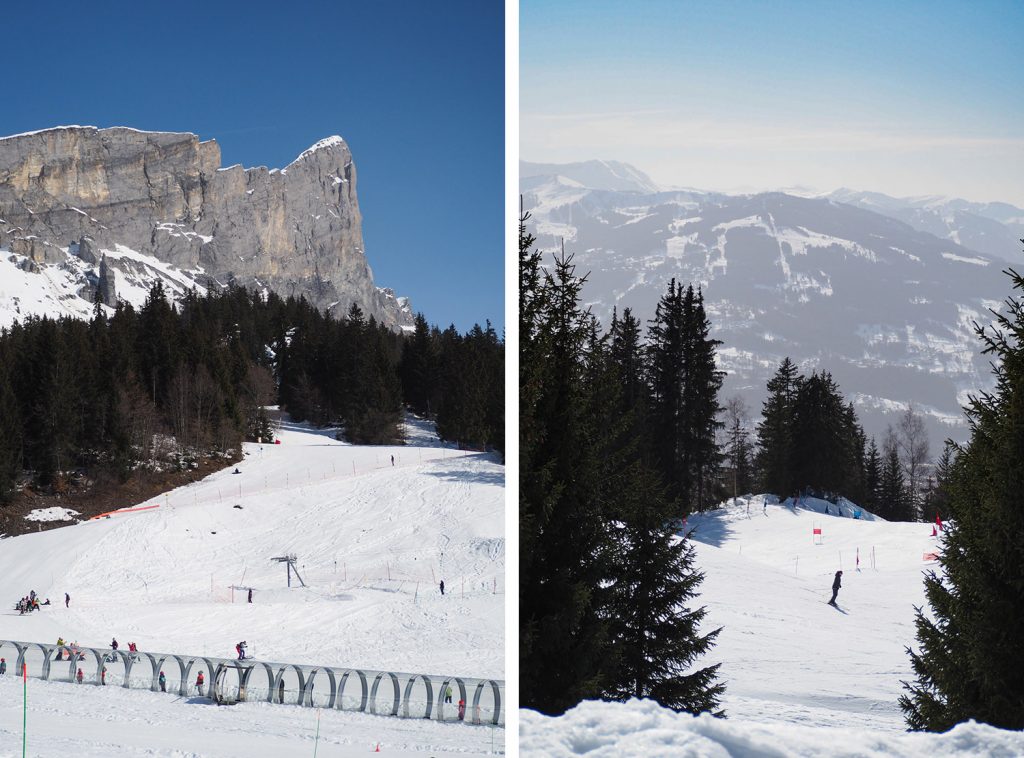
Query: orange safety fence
{"type": "Point", "coordinates": [124, 510]}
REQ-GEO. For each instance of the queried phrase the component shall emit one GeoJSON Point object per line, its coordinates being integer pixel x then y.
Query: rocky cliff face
{"type": "Point", "coordinates": [84, 191]}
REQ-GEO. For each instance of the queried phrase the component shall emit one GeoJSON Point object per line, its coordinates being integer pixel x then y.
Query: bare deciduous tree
{"type": "Point", "coordinates": [913, 443]}
{"type": "Point", "coordinates": [736, 414]}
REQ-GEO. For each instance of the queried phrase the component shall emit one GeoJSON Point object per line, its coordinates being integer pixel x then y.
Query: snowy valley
{"type": "Point", "coordinates": [373, 538]}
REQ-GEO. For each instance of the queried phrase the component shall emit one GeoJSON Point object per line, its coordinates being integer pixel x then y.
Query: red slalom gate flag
{"type": "Point", "coordinates": [938, 521]}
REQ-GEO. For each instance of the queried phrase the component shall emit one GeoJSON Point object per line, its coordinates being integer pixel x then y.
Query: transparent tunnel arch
{"type": "Point", "coordinates": [229, 680]}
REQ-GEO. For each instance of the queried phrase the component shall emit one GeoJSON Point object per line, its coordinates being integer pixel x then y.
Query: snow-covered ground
{"type": "Point", "coordinates": [372, 540]}
{"type": "Point", "coordinates": [801, 678]}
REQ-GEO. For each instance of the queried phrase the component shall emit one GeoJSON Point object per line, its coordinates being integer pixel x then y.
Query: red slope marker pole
{"type": "Point", "coordinates": [24, 710]}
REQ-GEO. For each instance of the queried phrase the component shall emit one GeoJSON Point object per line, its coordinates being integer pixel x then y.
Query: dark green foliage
{"type": "Point", "coordinates": [10, 438]}
{"type": "Point", "coordinates": [810, 441]}
{"type": "Point", "coordinates": [564, 634]}
{"type": "Point", "coordinates": [603, 583]}
{"type": "Point", "coordinates": [936, 501]}
{"type": "Point", "coordinates": [893, 497]}
{"type": "Point", "coordinates": [774, 435]}
{"type": "Point", "coordinates": [657, 639]}
{"type": "Point", "coordinates": [94, 395]}
{"type": "Point", "coordinates": [872, 478]}
{"type": "Point", "coordinates": [826, 443]}
{"type": "Point", "coordinates": [970, 663]}
{"type": "Point", "coordinates": [684, 397]}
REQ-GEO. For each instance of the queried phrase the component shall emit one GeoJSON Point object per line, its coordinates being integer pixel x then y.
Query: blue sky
{"type": "Point", "coordinates": [900, 97]}
{"type": "Point", "coordinates": [415, 88]}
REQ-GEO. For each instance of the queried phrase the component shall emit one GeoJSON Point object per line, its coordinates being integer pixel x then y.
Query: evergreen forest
{"type": "Point", "coordinates": [166, 384]}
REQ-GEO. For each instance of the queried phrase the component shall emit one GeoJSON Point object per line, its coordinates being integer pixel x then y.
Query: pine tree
{"type": "Point", "coordinates": [893, 500]}
{"type": "Point", "coordinates": [872, 478]}
{"type": "Point", "coordinates": [564, 635]}
{"type": "Point", "coordinates": [774, 435]}
{"type": "Point", "coordinates": [970, 663]}
{"type": "Point", "coordinates": [823, 445]}
{"type": "Point", "coordinates": [657, 636]}
{"type": "Point", "coordinates": [11, 438]}
{"type": "Point", "coordinates": [684, 403]}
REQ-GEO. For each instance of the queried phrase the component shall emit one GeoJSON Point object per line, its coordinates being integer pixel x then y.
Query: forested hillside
{"type": "Point", "coordinates": [165, 386]}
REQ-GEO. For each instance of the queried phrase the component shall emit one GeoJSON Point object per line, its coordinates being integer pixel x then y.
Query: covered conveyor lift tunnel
{"type": "Point", "coordinates": [228, 680]}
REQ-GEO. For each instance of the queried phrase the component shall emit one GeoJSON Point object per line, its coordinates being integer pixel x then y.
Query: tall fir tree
{"type": "Point", "coordinates": [684, 403]}
{"type": "Point", "coordinates": [774, 435]}
{"type": "Point", "coordinates": [563, 635]}
{"type": "Point", "coordinates": [872, 477]}
{"type": "Point", "coordinates": [893, 499]}
{"type": "Point", "coordinates": [657, 629]}
{"type": "Point", "coordinates": [970, 663]}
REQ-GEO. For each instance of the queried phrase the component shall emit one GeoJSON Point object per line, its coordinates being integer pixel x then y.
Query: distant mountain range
{"type": "Point", "coordinates": [880, 291]}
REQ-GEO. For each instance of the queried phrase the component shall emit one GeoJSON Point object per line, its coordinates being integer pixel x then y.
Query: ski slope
{"type": "Point", "coordinates": [372, 540]}
{"type": "Point", "coordinates": [802, 678]}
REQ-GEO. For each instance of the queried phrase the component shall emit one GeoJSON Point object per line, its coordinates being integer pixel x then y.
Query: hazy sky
{"type": "Point", "coordinates": [906, 98]}
{"type": "Point", "coordinates": [415, 88]}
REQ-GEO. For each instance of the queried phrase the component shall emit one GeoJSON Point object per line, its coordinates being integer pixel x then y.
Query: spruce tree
{"type": "Point", "coordinates": [893, 500]}
{"type": "Point", "coordinates": [774, 435]}
{"type": "Point", "coordinates": [658, 639]}
{"type": "Point", "coordinates": [872, 477]}
{"type": "Point", "coordinates": [684, 404]}
{"type": "Point", "coordinates": [11, 438]}
{"type": "Point", "coordinates": [564, 633]}
{"type": "Point", "coordinates": [970, 663]}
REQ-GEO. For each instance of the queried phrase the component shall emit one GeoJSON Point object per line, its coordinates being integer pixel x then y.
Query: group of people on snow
{"type": "Point", "coordinates": [29, 603]}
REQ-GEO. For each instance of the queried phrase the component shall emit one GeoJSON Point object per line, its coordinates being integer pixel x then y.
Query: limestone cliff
{"type": "Point", "coordinates": [82, 191]}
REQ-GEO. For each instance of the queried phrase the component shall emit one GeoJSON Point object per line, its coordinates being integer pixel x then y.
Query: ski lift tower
{"type": "Point", "coordinates": [289, 561]}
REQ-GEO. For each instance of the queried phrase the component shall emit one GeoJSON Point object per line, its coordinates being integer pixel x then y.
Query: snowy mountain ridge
{"type": "Point", "coordinates": [68, 288]}
{"type": "Point", "coordinates": [82, 190]}
{"type": "Point", "coordinates": [887, 308]}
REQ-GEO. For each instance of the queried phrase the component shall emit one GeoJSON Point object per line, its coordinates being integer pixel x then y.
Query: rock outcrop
{"type": "Point", "coordinates": [82, 190]}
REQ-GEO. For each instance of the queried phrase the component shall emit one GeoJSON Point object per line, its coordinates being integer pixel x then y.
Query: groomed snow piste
{"type": "Point", "coordinates": [802, 678]}
{"type": "Point", "coordinates": [372, 540]}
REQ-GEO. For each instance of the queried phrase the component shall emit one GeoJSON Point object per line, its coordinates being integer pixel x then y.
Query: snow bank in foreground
{"type": "Point", "coordinates": [99, 722]}
{"type": "Point", "coordinates": [642, 727]}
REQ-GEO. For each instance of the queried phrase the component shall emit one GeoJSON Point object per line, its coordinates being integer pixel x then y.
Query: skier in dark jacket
{"type": "Point", "coordinates": [442, 586]}
{"type": "Point", "coordinates": [836, 584]}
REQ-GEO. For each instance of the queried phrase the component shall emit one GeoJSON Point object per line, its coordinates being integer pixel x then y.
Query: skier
{"type": "Point", "coordinates": [250, 594]}
{"type": "Point", "coordinates": [67, 600]}
{"type": "Point", "coordinates": [163, 682]}
{"type": "Point", "coordinates": [3, 666]}
{"type": "Point", "coordinates": [237, 471]}
{"type": "Point", "coordinates": [836, 584]}
{"type": "Point", "coordinates": [103, 675]}
{"type": "Point", "coordinates": [79, 676]}
{"type": "Point", "coordinates": [462, 709]}
{"type": "Point", "coordinates": [442, 586]}
{"type": "Point", "coordinates": [200, 683]}
{"type": "Point", "coordinates": [280, 691]}
{"type": "Point", "coordinates": [113, 643]}
{"type": "Point", "coordinates": [448, 694]}
{"type": "Point", "coordinates": [392, 460]}
{"type": "Point", "coordinates": [240, 647]}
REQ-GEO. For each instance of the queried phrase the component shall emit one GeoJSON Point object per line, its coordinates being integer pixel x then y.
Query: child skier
{"type": "Point", "coordinates": [199, 683]}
